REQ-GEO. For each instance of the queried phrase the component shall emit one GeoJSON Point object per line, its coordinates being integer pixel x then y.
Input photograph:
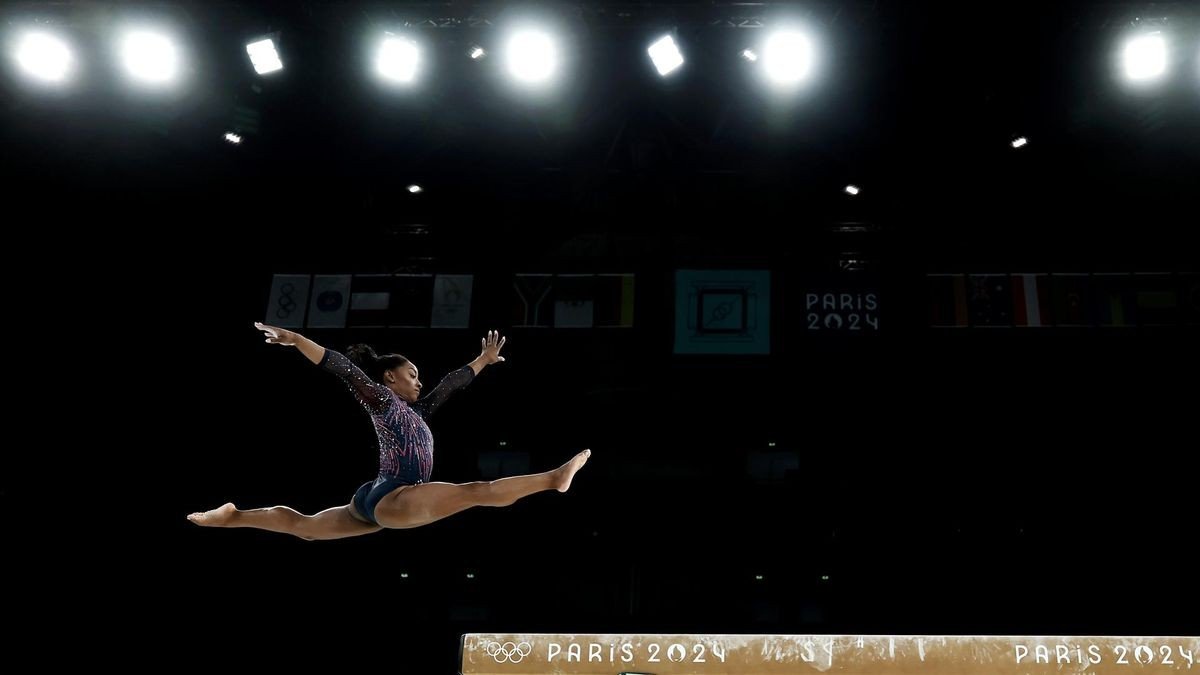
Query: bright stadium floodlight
{"type": "Point", "coordinates": [44, 57]}
{"type": "Point", "coordinates": [531, 57]}
{"type": "Point", "coordinates": [150, 57]}
{"type": "Point", "coordinates": [664, 53]}
{"type": "Point", "coordinates": [397, 59]}
{"type": "Point", "coordinates": [264, 56]}
{"type": "Point", "coordinates": [787, 57]}
{"type": "Point", "coordinates": [1144, 58]}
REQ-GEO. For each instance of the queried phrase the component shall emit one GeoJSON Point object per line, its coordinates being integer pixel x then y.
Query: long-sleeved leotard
{"type": "Point", "coordinates": [405, 442]}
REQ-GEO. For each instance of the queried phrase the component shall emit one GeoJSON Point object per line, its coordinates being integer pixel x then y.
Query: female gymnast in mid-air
{"type": "Point", "coordinates": [401, 496]}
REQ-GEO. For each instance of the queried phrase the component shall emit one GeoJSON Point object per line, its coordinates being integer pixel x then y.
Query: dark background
{"type": "Point", "coordinates": [976, 480]}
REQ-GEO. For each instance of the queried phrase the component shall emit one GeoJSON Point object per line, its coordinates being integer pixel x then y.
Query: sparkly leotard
{"type": "Point", "coordinates": [405, 443]}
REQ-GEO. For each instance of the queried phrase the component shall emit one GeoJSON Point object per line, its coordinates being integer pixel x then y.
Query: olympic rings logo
{"type": "Point", "coordinates": [508, 652]}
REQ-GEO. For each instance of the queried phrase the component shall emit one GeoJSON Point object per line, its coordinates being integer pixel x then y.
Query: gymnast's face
{"type": "Point", "coordinates": [404, 380]}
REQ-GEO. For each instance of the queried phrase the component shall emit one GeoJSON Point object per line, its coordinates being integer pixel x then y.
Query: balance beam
{"type": "Point", "coordinates": [546, 654]}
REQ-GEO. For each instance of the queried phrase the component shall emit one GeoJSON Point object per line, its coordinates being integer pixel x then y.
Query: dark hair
{"type": "Point", "coordinates": [371, 363]}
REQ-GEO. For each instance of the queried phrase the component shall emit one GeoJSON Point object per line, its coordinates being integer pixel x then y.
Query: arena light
{"type": "Point", "coordinates": [665, 55]}
{"type": "Point", "coordinates": [150, 57]}
{"type": "Point", "coordinates": [264, 56]}
{"type": "Point", "coordinates": [44, 57]}
{"type": "Point", "coordinates": [531, 56]}
{"type": "Point", "coordinates": [397, 60]}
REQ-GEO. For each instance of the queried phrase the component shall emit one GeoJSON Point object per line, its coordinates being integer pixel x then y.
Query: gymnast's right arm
{"type": "Point", "coordinates": [370, 394]}
{"type": "Point", "coordinates": [283, 336]}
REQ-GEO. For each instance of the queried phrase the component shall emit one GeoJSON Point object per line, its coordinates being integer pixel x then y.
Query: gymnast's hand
{"type": "Point", "coordinates": [490, 348]}
{"type": "Point", "coordinates": [279, 336]}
